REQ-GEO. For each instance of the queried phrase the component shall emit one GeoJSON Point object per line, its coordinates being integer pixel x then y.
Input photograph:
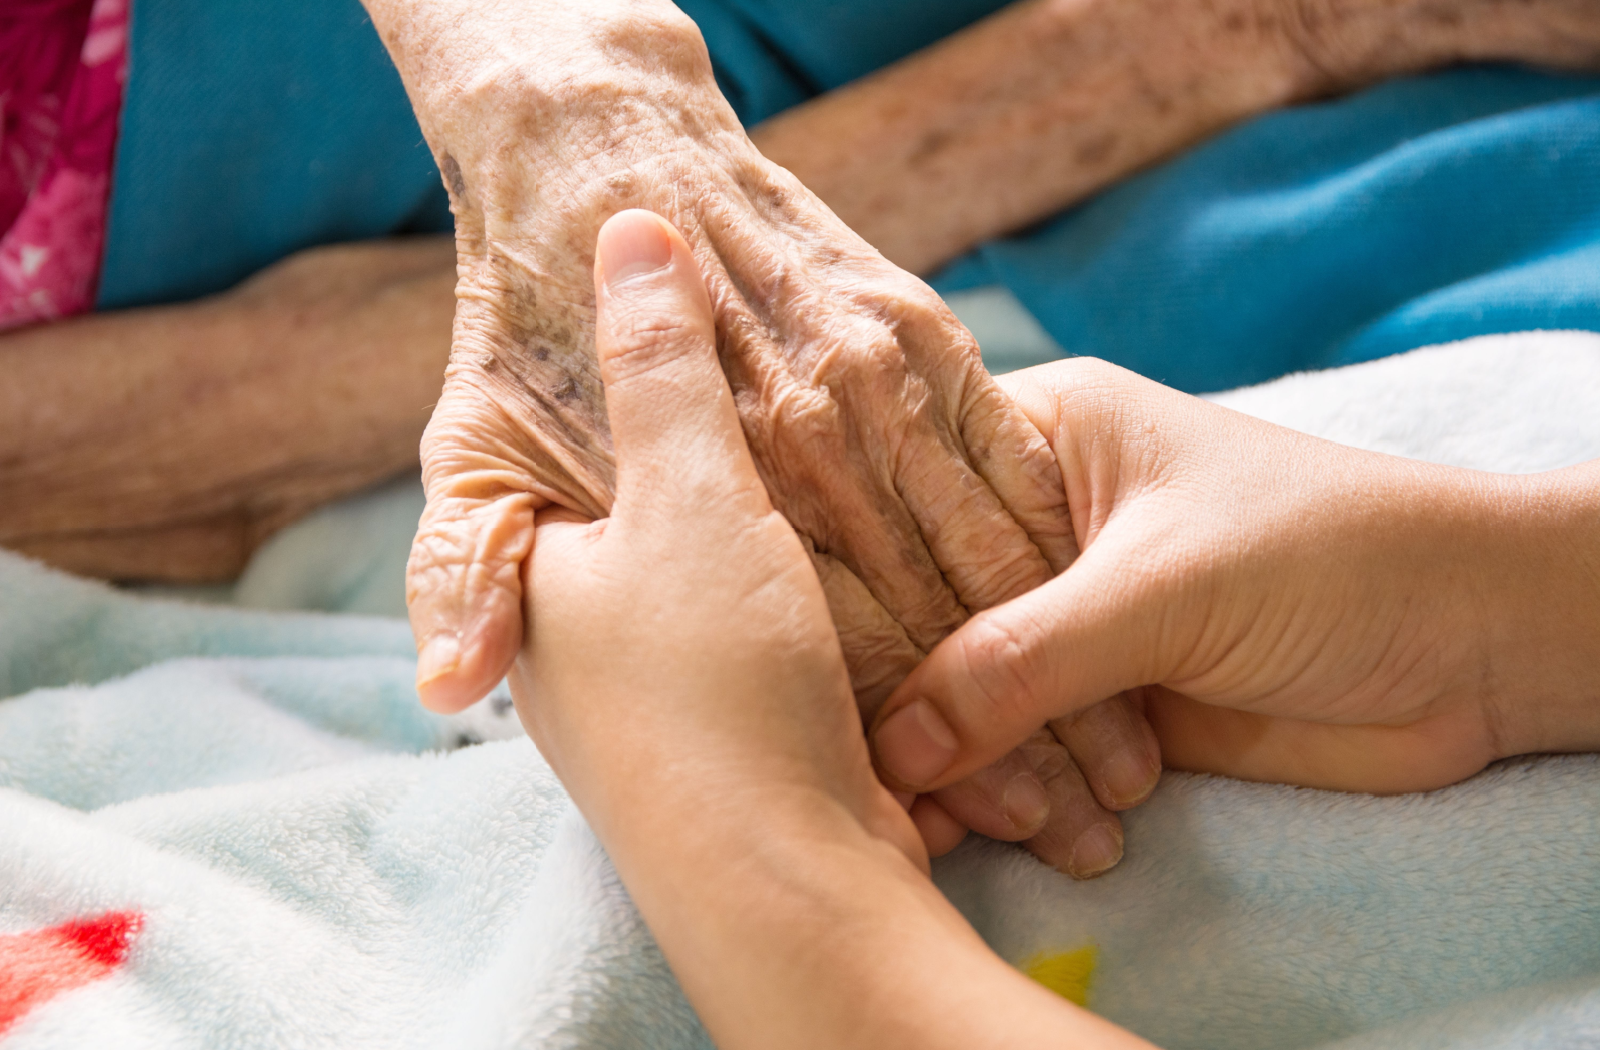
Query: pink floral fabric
{"type": "Point", "coordinates": [63, 64]}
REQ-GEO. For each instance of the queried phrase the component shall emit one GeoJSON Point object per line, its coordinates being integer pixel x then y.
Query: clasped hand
{"type": "Point", "coordinates": [1287, 609]}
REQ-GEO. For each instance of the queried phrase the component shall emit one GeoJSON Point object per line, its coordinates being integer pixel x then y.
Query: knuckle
{"type": "Point", "coordinates": [1050, 759]}
{"type": "Point", "coordinates": [1003, 666]}
{"type": "Point", "coordinates": [805, 415]}
{"type": "Point", "coordinates": [672, 35]}
{"type": "Point", "coordinates": [643, 342]}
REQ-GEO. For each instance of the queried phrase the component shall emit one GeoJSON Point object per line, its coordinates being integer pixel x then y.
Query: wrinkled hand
{"type": "Point", "coordinates": [1292, 610]}
{"type": "Point", "coordinates": [919, 489]}
{"type": "Point", "coordinates": [683, 643]}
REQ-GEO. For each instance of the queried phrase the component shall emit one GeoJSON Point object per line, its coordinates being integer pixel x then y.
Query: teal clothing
{"type": "Point", "coordinates": [1421, 211]}
{"type": "Point", "coordinates": [252, 130]}
{"type": "Point", "coordinates": [1437, 207]}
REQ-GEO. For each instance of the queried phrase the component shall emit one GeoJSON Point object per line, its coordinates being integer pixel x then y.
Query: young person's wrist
{"type": "Point", "coordinates": [790, 924]}
{"type": "Point", "coordinates": [1540, 610]}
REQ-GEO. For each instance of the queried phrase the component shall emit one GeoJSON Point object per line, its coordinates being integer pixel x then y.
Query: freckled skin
{"type": "Point", "coordinates": [859, 392]}
{"type": "Point", "coordinates": [1047, 101]}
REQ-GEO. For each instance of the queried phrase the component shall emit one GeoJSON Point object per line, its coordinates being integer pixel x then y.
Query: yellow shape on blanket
{"type": "Point", "coordinates": [1065, 973]}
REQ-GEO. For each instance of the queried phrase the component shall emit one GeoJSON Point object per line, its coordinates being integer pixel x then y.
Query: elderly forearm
{"type": "Point", "coordinates": [166, 443]}
{"type": "Point", "coordinates": [1050, 100]}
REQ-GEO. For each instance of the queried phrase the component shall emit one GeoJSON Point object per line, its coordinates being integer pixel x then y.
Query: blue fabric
{"type": "Point", "coordinates": [250, 131]}
{"type": "Point", "coordinates": [1421, 211]}
{"type": "Point", "coordinates": [773, 54]}
{"type": "Point", "coordinates": [1434, 208]}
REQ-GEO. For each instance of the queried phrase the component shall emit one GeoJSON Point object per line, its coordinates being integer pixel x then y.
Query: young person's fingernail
{"type": "Point", "coordinates": [915, 744]}
{"type": "Point", "coordinates": [440, 656]}
{"type": "Point", "coordinates": [1025, 803]}
{"type": "Point", "coordinates": [1096, 852]}
{"type": "Point", "coordinates": [635, 246]}
{"type": "Point", "coordinates": [1129, 778]}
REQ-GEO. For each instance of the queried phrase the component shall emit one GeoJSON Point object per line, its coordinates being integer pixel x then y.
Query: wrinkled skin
{"type": "Point", "coordinates": [922, 493]}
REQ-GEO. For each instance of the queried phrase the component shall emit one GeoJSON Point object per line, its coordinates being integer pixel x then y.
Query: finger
{"type": "Point", "coordinates": [464, 595]}
{"type": "Point", "coordinates": [1004, 801]}
{"type": "Point", "coordinates": [1013, 465]}
{"type": "Point", "coordinates": [1115, 748]}
{"type": "Point", "coordinates": [520, 424]}
{"type": "Point", "coordinates": [940, 832]}
{"type": "Point", "coordinates": [1090, 633]}
{"type": "Point", "coordinates": [1081, 837]}
{"type": "Point", "coordinates": [877, 652]}
{"type": "Point", "coordinates": [1018, 464]}
{"type": "Point", "coordinates": [673, 424]}
{"type": "Point", "coordinates": [984, 554]}
{"type": "Point", "coordinates": [463, 577]}
{"type": "Point", "coordinates": [820, 454]}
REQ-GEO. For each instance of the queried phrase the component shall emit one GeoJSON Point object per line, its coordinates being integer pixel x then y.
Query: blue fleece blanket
{"type": "Point", "coordinates": [230, 827]}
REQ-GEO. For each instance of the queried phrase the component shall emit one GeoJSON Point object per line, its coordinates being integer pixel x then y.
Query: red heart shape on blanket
{"type": "Point", "coordinates": [39, 965]}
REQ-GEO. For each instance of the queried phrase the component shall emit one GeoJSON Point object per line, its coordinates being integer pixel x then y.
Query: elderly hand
{"type": "Point", "coordinates": [921, 491]}
{"type": "Point", "coordinates": [1294, 610]}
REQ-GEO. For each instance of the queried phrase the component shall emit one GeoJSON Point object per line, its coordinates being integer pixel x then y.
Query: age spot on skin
{"type": "Point", "coordinates": [567, 391]}
{"type": "Point", "coordinates": [452, 177]}
{"type": "Point", "coordinates": [931, 145]}
{"type": "Point", "coordinates": [1446, 17]}
{"type": "Point", "coordinates": [1097, 149]}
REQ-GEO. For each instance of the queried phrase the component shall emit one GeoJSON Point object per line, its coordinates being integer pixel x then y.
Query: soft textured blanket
{"type": "Point", "coordinates": [226, 827]}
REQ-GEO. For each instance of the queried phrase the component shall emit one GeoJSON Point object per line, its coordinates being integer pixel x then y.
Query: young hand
{"type": "Point", "coordinates": [682, 675]}
{"type": "Point", "coordinates": [682, 646]}
{"type": "Point", "coordinates": [1291, 609]}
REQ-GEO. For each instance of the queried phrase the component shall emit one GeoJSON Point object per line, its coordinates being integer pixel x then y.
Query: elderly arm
{"type": "Point", "coordinates": [166, 443]}
{"type": "Point", "coordinates": [1048, 101]}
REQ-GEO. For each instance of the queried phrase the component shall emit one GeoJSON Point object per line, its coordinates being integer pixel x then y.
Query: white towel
{"type": "Point", "coordinates": [263, 842]}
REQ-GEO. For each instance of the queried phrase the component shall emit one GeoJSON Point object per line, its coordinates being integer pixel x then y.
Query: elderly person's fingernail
{"type": "Point", "coordinates": [440, 656]}
{"type": "Point", "coordinates": [1025, 803]}
{"type": "Point", "coordinates": [1130, 777]}
{"type": "Point", "coordinates": [1096, 852]}
{"type": "Point", "coordinates": [915, 744]}
{"type": "Point", "coordinates": [631, 244]}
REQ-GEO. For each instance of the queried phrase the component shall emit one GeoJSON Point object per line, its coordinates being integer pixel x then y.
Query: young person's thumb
{"type": "Point", "coordinates": [673, 423]}
{"type": "Point", "coordinates": [1007, 671]}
